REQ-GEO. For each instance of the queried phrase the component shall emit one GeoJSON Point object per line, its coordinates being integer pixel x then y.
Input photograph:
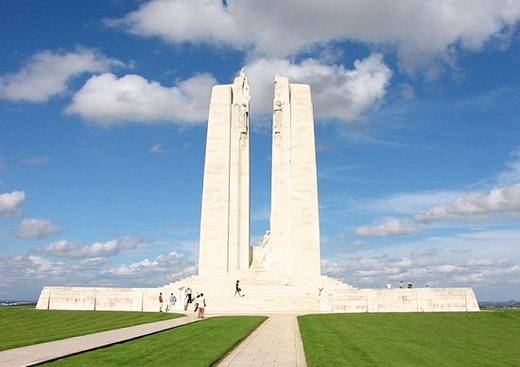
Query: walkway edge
{"type": "Point", "coordinates": [46, 352]}
{"type": "Point", "coordinates": [225, 355]}
{"type": "Point", "coordinates": [276, 342]}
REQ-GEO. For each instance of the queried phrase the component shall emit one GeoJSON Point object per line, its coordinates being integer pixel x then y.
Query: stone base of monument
{"type": "Point", "coordinates": [262, 295]}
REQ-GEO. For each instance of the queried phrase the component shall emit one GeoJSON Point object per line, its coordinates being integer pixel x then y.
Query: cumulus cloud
{"type": "Point", "coordinates": [392, 227]}
{"type": "Point", "coordinates": [434, 206]}
{"type": "Point", "coordinates": [411, 202]}
{"type": "Point", "coordinates": [456, 205]}
{"type": "Point", "coordinates": [19, 273]}
{"type": "Point", "coordinates": [337, 92]}
{"type": "Point", "coordinates": [24, 275]}
{"type": "Point", "coordinates": [48, 74]}
{"type": "Point", "coordinates": [420, 31]}
{"type": "Point", "coordinates": [485, 260]}
{"type": "Point", "coordinates": [172, 266]}
{"type": "Point", "coordinates": [10, 203]}
{"type": "Point", "coordinates": [67, 249]}
{"type": "Point", "coordinates": [106, 100]}
{"type": "Point", "coordinates": [36, 228]}
{"type": "Point", "coordinates": [500, 199]}
{"type": "Point", "coordinates": [181, 21]}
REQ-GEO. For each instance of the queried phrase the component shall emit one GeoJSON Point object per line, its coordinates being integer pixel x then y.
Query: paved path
{"type": "Point", "coordinates": [277, 342]}
{"type": "Point", "coordinates": [38, 353]}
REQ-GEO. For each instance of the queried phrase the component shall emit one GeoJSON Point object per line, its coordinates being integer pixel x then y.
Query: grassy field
{"type": "Point", "coordinates": [200, 344]}
{"type": "Point", "coordinates": [488, 338]}
{"type": "Point", "coordinates": [21, 326]}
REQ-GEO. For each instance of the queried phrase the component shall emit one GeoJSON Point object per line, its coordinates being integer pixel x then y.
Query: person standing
{"type": "Point", "coordinates": [202, 305]}
{"type": "Point", "coordinates": [160, 302]}
{"type": "Point", "coordinates": [173, 300]}
{"type": "Point", "coordinates": [401, 285]}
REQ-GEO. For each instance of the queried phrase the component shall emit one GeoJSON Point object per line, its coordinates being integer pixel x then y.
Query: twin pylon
{"type": "Point", "coordinates": [292, 244]}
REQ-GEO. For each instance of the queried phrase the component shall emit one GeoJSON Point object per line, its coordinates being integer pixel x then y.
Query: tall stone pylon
{"type": "Point", "coordinates": [224, 246]}
{"type": "Point", "coordinates": [294, 222]}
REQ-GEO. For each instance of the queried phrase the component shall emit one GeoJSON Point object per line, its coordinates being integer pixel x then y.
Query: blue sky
{"type": "Point", "coordinates": [102, 132]}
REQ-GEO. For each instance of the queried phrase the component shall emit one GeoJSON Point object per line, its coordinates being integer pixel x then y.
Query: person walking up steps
{"type": "Point", "coordinates": [187, 298]}
{"type": "Point", "coordinates": [196, 302]}
{"type": "Point", "coordinates": [188, 294]}
{"type": "Point", "coordinates": [238, 290]}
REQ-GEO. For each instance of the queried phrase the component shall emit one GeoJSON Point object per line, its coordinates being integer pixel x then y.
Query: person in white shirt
{"type": "Point", "coordinates": [202, 306]}
{"type": "Point", "coordinates": [173, 300]}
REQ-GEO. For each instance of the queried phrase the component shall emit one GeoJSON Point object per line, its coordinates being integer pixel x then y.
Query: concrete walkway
{"type": "Point", "coordinates": [38, 353]}
{"type": "Point", "coordinates": [277, 342]}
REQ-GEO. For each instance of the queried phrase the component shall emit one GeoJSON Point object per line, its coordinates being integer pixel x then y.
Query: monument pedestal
{"type": "Point", "coordinates": [263, 294]}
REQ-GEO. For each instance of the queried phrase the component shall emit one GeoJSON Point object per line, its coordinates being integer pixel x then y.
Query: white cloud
{"type": "Point", "coordinates": [433, 206]}
{"type": "Point", "coordinates": [392, 227]}
{"type": "Point", "coordinates": [420, 31]}
{"type": "Point", "coordinates": [24, 275]}
{"type": "Point", "coordinates": [36, 228]}
{"type": "Point", "coordinates": [487, 261]}
{"type": "Point", "coordinates": [48, 74]}
{"type": "Point", "coordinates": [107, 100]}
{"type": "Point", "coordinates": [500, 199]}
{"type": "Point", "coordinates": [157, 149]}
{"type": "Point", "coordinates": [10, 203]}
{"type": "Point", "coordinates": [337, 92]}
{"type": "Point", "coordinates": [411, 202]}
{"type": "Point", "coordinates": [180, 21]}
{"type": "Point", "coordinates": [168, 267]}
{"type": "Point", "coordinates": [73, 250]}
{"type": "Point", "coordinates": [455, 205]}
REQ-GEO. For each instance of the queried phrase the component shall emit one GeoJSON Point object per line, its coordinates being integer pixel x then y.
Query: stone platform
{"type": "Point", "coordinates": [263, 295]}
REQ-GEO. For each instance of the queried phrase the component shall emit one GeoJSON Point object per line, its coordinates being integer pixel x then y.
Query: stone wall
{"type": "Point", "coordinates": [263, 298]}
{"type": "Point", "coordinates": [405, 300]}
{"type": "Point", "coordinates": [100, 299]}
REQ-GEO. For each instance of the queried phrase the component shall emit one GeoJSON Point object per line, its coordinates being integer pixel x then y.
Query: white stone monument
{"type": "Point", "coordinates": [282, 273]}
{"type": "Point", "coordinates": [224, 225]}
{"type": "Point", "coordinates": [294, 239]}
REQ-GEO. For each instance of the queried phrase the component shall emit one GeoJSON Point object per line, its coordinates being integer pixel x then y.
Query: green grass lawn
{"type": "Point", "coordinates": [199, 344]}
{"type": "Point", "coordinates": [21, 326]}
{"type": "Point", "coordinates": [488, 338]}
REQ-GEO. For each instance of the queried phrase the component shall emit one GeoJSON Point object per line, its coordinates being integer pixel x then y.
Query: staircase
{"type": "Point", "coordinates": [261, 292]}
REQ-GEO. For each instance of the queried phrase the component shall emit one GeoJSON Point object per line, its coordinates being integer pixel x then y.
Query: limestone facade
{"type": "Point", "coordinates": [224, 246]}
{"type": "Point", "coordinates": [293, 245]}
